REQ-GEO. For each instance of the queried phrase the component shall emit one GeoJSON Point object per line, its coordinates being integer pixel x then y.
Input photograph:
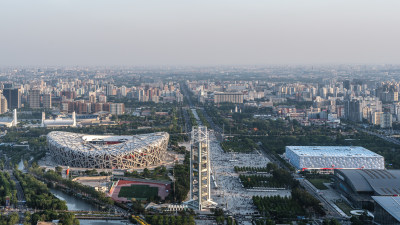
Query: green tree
{"type": "Point", "coordinates": [146, 172]}
{"type": "Point", "coordinates": [59, 169]}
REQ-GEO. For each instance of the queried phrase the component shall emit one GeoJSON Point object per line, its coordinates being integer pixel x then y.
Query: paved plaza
{"type": "Point", "coordinates": [227, 190]}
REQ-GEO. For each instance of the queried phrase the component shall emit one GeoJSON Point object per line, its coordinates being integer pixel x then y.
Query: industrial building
{"type": "Point", "coordinates": [333, 157]}
{"type": "Point", "coordinates": [108, 152]}
{"type": "Point", "coordinates": [358, 186]}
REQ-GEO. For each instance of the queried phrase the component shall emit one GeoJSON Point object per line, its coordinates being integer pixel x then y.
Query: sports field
{"type": "Point", "coordinates": [139, 192]}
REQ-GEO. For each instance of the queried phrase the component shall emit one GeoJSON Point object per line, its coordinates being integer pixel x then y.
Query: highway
{"type": "Point", "coordinates": [384, 137]}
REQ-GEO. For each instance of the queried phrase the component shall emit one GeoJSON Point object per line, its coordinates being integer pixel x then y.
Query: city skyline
{"type": "Point", "coordinates": [200, 112]}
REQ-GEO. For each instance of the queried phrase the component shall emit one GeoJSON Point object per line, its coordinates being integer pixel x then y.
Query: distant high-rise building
{"type": "Point", "coordinates": [323, 92]}
{"type": "Point", "coordinates": [3, 104]}
{"type": "Point", "coordinates": [106, 107]}
{"type": "Point", "coordinates": [155, 99]}
{"type": "Point", "coordinates": [346, 84]}
{"type": "Point", "coordinates": [102, 98]}
{"type": "Point", "coordinates": [92, 97]}
{"type": "Point", "coordinates": [362, 108]}
{"type": "Point", "coordinates": [97, 107]}
{"type": "Point", "coordinates": [65, 106]}
{"type": "Point", "coordinates": [8, 85]}
{"type": "Point", "coordinates": [47, 101]}
{"type": "Point", "coordinates": [386, 120]}
{"type": "Point", "coordinates": [13, 97]}
{"type": "Point", "coordinates": [394, 96]}
{"type": "Point", "coordinates": [34, 98]}
{"type": "Point", "coordinates": [68, 94]}
{"type": "Point", "coordinates": [123, 91]}
{"type": "Point", "coordinates": [396, 111]}
{"type": "Point", "coordinates": [117, 108]}
{"type": "Point", "coordinates": [228, 97]}
{"type": "Point", "coordinates": [376, 118]}
{"type": "Point", "coordinates": [141, 96]}
{"type": "Point", "coordinates": [109, 89]}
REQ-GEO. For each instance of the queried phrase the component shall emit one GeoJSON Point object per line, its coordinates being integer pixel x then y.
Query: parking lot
{"type": "Point", "coordinates": [228, 191]}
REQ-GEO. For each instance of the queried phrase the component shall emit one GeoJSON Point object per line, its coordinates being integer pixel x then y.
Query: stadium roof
{"type": "Point", "coordinates": [85, 143]}
{"type": "Point", "coordinates": [390, 203]}
{"type": "Point", "coordinates": [58, 122]}
{"type": "Point", "coordinates": [381, 182]}
{"type": "Point", "coordinates": [338, 151]}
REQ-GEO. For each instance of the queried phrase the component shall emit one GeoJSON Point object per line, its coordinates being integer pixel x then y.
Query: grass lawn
{"type": "Point", "coordinates": [139, 192]}
{"type": "Point", "coordinates": [344, 207]}
{"type": "Point", "coordinates": [319, 183]}
{"type": "Point", "coordinates": [237, 144]}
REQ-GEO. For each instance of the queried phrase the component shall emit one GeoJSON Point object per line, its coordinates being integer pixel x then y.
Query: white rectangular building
{"type": "Point", "coordinates": [333, 157]}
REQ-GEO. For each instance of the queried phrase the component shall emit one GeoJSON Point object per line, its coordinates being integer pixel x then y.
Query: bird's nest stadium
{"type": "Point", "coordinates": [107, 152]}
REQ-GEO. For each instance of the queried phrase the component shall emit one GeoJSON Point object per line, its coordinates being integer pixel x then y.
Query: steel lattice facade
{"type": "Point", "coordinates": [200, 187]}
{"type": "Point", "coordinates": [103, 152]}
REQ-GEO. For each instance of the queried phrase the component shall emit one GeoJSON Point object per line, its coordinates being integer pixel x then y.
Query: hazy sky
{"type": "Point", "coordinates": [202, 32]}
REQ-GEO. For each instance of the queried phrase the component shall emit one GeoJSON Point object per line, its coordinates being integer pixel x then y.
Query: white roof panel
{"type": "Point", "coordinates": [337, 151]}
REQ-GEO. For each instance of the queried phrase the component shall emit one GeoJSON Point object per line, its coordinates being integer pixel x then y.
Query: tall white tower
{"type": "Point", "coordinates": [15, 121]}
{"type": "Point", "coordinates": [43, 118]}
{"type": "Point", "coordinates": [74, 119]}
{"type": "Point", "coordinates": [200, 188]}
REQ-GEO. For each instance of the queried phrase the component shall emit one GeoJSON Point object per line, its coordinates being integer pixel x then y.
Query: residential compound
{"type": "Point", "coordinates": [232, 97]}
{"type": "Point", "coordinates": [87, 95]}
{"type": "Point", "coordinates": [328, 101]}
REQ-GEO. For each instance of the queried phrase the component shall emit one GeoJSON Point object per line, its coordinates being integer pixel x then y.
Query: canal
{"type": "Point", "coordinates": [21, 165]}
{"type": "Point", "coordinates": [74, 203]}
{"type": "Point", "coordinates": [77, 204]}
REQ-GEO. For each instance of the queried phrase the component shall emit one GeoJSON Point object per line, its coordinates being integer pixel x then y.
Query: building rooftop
{"type": "Point", "coordinates": [6, 119]}
{"type": "Point", "coordinates": [228, 93]}
{"type": "Point", "coordinates": [338, 151]}
{"type": "Point", "coordinates": [58, 122]}
{"type": "Point", "coordinates": [102, 144]}
{"type": "Point", "coordinates": [381, 182]}
{"type": "Point", "coordinates": [390, 203]}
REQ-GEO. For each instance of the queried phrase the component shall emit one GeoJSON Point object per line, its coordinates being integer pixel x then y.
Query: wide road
{"type": "Point", "coordinates": [384, 137]}
{"type": "Point", "coordinates": [332, 212]}
{"type": "Point", "coordinates": [20, 191]}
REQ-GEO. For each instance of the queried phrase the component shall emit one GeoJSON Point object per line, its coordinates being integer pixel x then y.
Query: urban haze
{"type": "Point", "coordinates": [208, 112]}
